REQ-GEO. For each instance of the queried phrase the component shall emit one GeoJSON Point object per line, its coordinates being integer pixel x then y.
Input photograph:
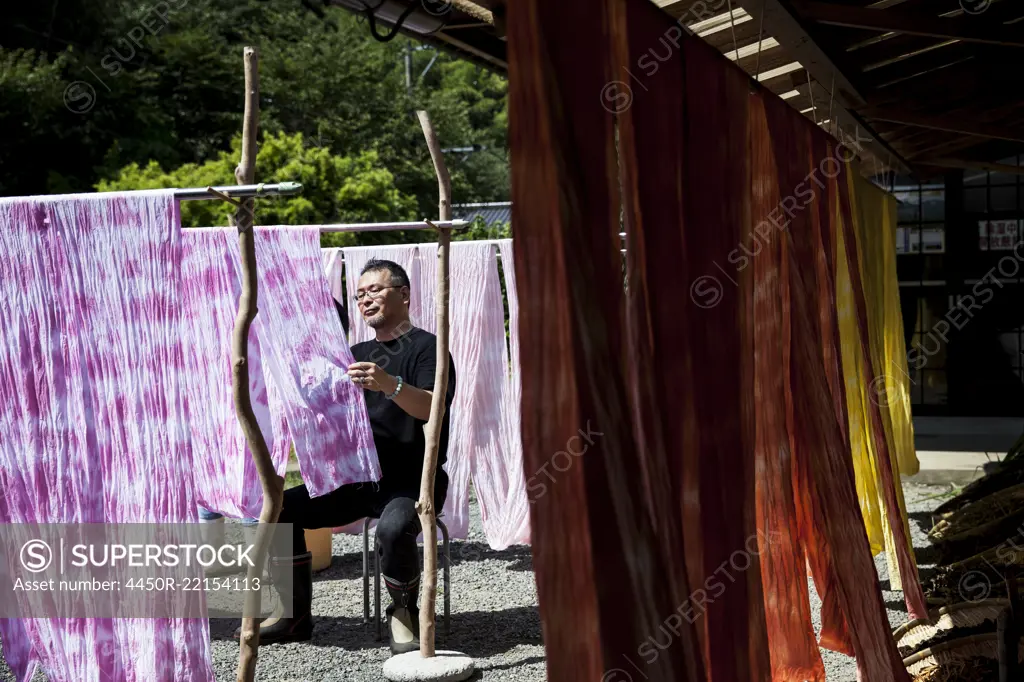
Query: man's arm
{"type": "Point", "coordinates": [412, 398]}
{"type": "Point", "coordinates": [415, 401]}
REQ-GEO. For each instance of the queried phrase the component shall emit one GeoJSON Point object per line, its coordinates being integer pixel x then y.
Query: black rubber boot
{"type": "Point", "coordinates": [403, 616]}
{"type": "Point", "coordinates": [298, 628]}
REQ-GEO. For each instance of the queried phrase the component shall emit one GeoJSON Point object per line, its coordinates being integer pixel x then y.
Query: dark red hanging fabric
{"type": "Point", "coordinates": [603, 579]}
{"type": "Point", "coordinates": [651, 171]}
{"type": "Point", "coordinates": [794, 652]}
{"type": "Point", "coordinates": [912, 591]}
{"type": "Point", "coordinates": [710, 440]}
{"type": "Point", "coordinates": [821, 213]}
{"type": "Point", "coordinates": [720, 339]}
{"type": "Point", "coordinates": [810, 234]}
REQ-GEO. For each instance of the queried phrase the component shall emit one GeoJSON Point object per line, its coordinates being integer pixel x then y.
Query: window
{"type": "Point", "coordinates": [920, 240]}
{"type": "Point", "coordinates": [992, 191]}
{"type": "Point", "coordinates": [920, 265]}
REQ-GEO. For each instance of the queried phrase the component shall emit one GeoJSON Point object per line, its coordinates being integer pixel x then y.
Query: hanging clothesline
{"type": "Point", "coordinates": [239, 191]}
{"type": "Point", "coordinates": [439, 224]}
{"type": "Point", "coordinates": [384, 227]}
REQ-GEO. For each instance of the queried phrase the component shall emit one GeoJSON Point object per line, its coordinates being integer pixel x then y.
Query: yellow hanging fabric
{"type": "Point", "coordinates": [874, 218]}
{"type": "Point", "coordinates": [864, 465]}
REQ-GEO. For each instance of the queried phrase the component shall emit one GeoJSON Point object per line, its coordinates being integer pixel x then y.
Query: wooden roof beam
{"type": "Point", "coordinates": [912, 23]}
{"type": "Point", "coordinates": [973, 165]}
{"type": "Point", "coordinates": [943, 123]}
{"type": "Point", "coordinates": [784, 27]}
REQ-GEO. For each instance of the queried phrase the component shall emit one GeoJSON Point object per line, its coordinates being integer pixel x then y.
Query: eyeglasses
{"type": "Point", "coordinates": [373, 292]}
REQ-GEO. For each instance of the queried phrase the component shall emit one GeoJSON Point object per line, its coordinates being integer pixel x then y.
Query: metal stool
{"type": "Point", "coordinates": [446, 560]}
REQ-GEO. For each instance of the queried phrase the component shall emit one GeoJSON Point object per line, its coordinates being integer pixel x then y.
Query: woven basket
{"type": "Point", "coordinates": [1001, 556]}
{"type": "Point", "coordinates": [962, 615]}
{"type": "Point", "coordinates": [987, 568]}
{"type": "Point", "coordinates": [989, 511]}
{"type": "Point", "coordinates": [1009, 475]}
{"type": "Point", "coordinates": [955, 654]}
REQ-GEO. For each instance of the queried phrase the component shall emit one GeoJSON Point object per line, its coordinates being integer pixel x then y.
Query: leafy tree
{"type": "Point", "coordinates": [164, 84]}
{"type": "Point", "coordinates": [336, 189]}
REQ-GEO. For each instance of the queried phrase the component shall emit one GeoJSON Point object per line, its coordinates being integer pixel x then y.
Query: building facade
{"type": "Point", "coordinates": [960, 261]}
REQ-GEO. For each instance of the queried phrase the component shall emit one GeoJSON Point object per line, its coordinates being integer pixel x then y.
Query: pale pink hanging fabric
{"type": "Point", "coordinates": [477, 320]}
{"type": "Point", "coordinates": [92, 410]}
{"type": "Point", "coordinates": [211, 284]}
{"type": "Point", "coordinates": [304, 346]}
{"type": "Point", "coordinates": [498, 476]}
{"type": "Point", "coordinates": [334, 267]}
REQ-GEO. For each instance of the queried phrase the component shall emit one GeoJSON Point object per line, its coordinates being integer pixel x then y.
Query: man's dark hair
{"type": "Point", "coordinates": [399, 278]}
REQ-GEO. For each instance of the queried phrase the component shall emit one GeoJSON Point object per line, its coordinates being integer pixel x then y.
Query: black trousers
{"type": "Point", "coordinates": [395, 506]}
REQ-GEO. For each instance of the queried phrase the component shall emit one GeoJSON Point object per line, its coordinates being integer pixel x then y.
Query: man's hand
{"type": "Point", "coordinates": [371, 377]}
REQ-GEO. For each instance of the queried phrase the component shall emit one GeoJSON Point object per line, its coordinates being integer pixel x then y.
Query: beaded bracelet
{"type": "Point", "coordinates": [397, 389]}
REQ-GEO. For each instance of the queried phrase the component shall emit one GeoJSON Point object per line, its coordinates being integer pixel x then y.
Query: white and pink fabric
{"type": "Point", "coordinates": [498, 475]}
{"type": "Point", "coordinates": [334, 269]}
{"type": "Point", "coordinates": [299, 359]}
{"type": "Point", "coordinates": [92, 408]}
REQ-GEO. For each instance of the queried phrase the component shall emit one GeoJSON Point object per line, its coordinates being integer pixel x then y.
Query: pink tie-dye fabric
{"type": "Point", "coordinates": [92, 411]}
{"type": "Point", "coordinates": [301, 392]}
{"type": "Point", "coordinates": [211, 284]}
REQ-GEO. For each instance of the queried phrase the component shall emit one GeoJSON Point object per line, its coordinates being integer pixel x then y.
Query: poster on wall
{"type": "Point", "coordinates": [998, 235]}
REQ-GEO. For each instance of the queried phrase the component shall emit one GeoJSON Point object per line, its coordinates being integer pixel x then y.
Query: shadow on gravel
{"type": "Point", "coordinates": [922, 519]}
{"type": "Point", "coordinates": [478, 633]}
{"type": "Point", "coordinates": [350, 565]}
{"type": "Point", "coordinates": [927, 556]}
{"type": "Point", "coordinates": [509, 666]}
{"type": "Point", "coordinates": [896, 604]}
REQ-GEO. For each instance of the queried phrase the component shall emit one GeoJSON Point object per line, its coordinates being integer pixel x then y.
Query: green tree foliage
{"type": "Point", "coordinates": [478, 229]}
{"type": "Point", "coordinates": [98, 92]}
{"type": "Point", "coordinates": [336, 189]}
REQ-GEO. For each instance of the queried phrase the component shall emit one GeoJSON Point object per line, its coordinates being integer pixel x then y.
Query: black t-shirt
{"type": "Point", "coordinates": [397, 435]}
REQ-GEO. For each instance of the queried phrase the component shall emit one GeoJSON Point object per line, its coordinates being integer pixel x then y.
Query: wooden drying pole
{"type": "Point", "coordinates": [273, 485]}
{"type": "Point", "coordinates": [432, 430]}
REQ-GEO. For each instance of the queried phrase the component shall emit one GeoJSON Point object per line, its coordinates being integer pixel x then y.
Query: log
{"type": "Point", "coordinates": [432, 430]}
{"type": "Point", "coordinates": [273, 485]}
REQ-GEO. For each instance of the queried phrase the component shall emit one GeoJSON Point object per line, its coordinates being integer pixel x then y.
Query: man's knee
{"type": "Point", "coordinates": [294, 499]}
{"type": "Point", "coordinates": [399, 521]}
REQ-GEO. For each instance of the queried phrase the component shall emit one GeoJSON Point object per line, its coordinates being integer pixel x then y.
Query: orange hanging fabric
{"type": "Point", "coordinates": [794, 652]}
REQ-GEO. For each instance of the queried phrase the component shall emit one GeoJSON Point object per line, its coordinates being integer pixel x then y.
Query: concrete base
{"type": "Point", "coordinates": [943, 467]}
{"type": "Point", "coordinates": [445, 666]}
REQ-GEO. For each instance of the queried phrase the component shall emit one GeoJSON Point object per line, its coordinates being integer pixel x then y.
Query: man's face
{"type": "Point", "coordinates": [380, 303]}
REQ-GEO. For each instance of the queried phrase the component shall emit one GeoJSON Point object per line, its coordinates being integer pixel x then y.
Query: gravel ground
{"type": "Point", "coordinates": [494, 615]}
